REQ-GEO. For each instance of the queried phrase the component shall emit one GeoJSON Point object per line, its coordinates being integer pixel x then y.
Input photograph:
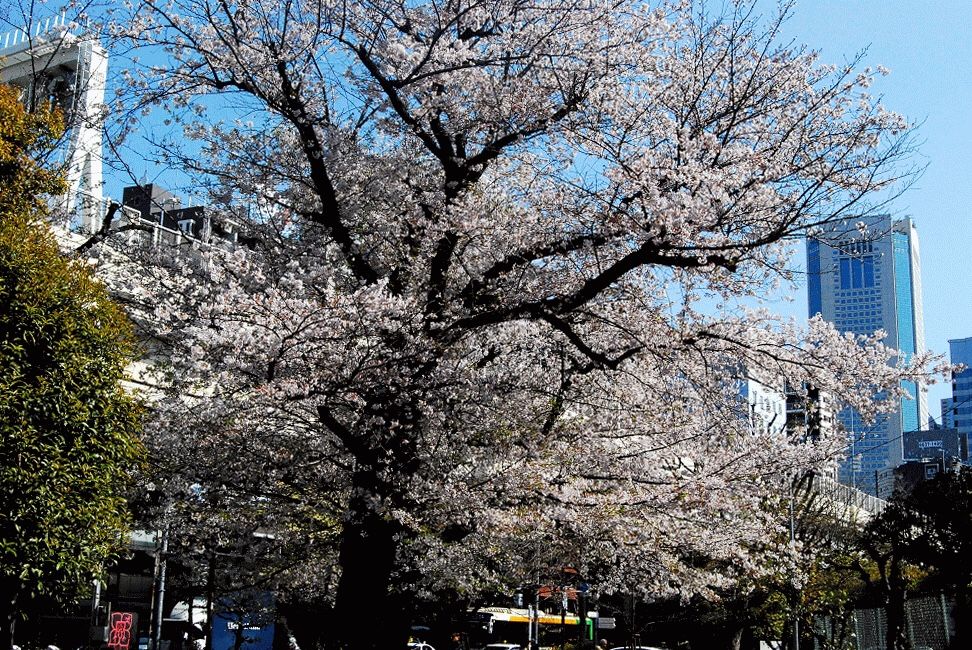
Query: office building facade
{"type": "Point", "coordinates": [765, 402]}
{"type": "Point", "coordinates": [957, 409]}
{"type": "Point", "coordinates": [809, 413]}
{"type": "Point", "coordinates": [864, 275]}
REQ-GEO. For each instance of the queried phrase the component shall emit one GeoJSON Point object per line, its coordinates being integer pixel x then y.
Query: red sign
{"type": "Point", "coordinates": [120, 629]}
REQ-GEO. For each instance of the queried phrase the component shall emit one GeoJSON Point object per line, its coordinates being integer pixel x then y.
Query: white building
{"type": "Point", "coordinates": [766, 403]}
{"type": "Point", "coordinates": [50, 62]}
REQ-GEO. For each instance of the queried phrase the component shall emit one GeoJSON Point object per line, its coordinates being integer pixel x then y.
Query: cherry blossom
{"type": "Point", "coordinates": [468, 336]}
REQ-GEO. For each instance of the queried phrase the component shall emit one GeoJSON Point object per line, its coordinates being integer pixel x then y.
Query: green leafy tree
{"type": "Point", "coordinates": [939, 512]}
{"type": "Point", "coordinates": [69, 429]}
{"type": "Point", "coordinates": [903, 542]}
{"type": "Point", "coordinates": [943, 507]}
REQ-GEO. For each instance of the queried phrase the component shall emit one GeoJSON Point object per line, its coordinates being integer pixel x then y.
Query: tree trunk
{"type": "Point", "coordinates": [897, 634]}
{"type": "Point", "coordinates": [897, 638]}
{"type": "Point", "coordinates": [370, 613]}
{"type": "Point", "coordinates": [238, 635]}
{"type": "Point", "coordinates": [9, 591]}
{"type": "Point", "coordinates": [735, 639]}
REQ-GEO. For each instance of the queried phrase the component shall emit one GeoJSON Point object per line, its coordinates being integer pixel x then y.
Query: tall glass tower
{"type": "Point", "coordinates": [864, 275]}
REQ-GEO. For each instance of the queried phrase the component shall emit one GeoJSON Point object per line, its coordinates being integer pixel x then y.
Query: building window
{"type": "Point", "coordinates": [857, 273]}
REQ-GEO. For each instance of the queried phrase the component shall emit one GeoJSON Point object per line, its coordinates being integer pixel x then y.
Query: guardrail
{"type": "Point", "coordinates": [848, 495]}
{"type": "Point", "coordinates": [87, 215]}
{"type": "Point", "coordinates": [20, 37]}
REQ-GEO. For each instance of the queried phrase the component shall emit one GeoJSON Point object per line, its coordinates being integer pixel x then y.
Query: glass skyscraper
{"type": "Point", "coordinates": [957, 410]}
{"type": "Point", "coordinates": [864, 275]}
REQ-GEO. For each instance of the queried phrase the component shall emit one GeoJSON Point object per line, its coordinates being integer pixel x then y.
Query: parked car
{"type": "Point", "coordinates": [502, 646]}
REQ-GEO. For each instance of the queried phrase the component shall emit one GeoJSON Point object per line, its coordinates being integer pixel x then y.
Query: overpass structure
{"type": "Point", "coordinates": [50, 61]}
{"type": "Point", "coordinates": [842, 502]}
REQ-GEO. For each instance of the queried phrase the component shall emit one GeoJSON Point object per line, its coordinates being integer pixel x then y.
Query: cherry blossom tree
{"type": "Point", "coordinates": [488, 310]}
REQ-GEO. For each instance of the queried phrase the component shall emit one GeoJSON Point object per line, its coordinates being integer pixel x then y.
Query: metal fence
{"type": "Point", "coordinates": [20, 38]}
{"type": "Point", "coordinates": [929, 624]}
{"type": "Point", "coordinates": [861, 502]}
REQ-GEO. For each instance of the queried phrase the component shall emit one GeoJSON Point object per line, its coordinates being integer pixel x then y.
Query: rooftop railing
{"type": "Point", "coordinates": [88, 214]}
{"type": "Point", "coordinates": [22, 37]}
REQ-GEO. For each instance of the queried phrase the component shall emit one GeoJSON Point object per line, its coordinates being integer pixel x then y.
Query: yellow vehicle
{"type": "Point", "coordinates": [515, 626]}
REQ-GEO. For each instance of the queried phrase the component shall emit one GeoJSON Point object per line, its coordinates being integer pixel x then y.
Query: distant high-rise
{"type": "Point", "coordinates": [809, 413]}
{"type": "Point", "coordinates": [957, 410]}
{"type": "Point", "coordinates": [864, 275]}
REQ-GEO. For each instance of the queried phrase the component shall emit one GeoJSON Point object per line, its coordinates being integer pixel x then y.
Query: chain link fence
{"type": "Point", "coordinates": [929, 621]}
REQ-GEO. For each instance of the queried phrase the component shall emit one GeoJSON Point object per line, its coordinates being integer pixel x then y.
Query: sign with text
{"type": "Point", "coordinates": [932, 443]}
{"type": "Point", "coordinates": [122, 627]}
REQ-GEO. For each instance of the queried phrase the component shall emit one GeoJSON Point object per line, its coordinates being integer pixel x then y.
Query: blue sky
{"type": "Point", "coordinates": [928, 48]}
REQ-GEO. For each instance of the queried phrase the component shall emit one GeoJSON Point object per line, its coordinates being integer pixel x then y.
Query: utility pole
{"type": "Point", "coordinates": [529, 625]}
{"type": "Point", "coordinates": [210, 597]}
{"type": "Point", "coordinates": [536, 616]}
{"type": "Point", "coordinates": [853, 463]}
{"type": "Point", "coordinates": [796, 617]}
{"type": "Point", "coordinates": [158, 608]}
{"type": "Point", "coordinates": [582, 612]}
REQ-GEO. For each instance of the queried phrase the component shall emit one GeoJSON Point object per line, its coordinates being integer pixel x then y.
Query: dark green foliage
{"type": "Point", "coordinates": [926, 529]}
{"type": "Point", "coordinates": [933, 523]}
{"type": "Point", "coordinates": [69, 430]}
{"type": "Point", "coordinates": [942, 511]}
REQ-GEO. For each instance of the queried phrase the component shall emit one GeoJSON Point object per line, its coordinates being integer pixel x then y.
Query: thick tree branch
{"type": "Point", "coordinates": [352, 443]}
{"type": "Point", "coordinates": [103, 230]}
{"type": "Point", "coordinates": [648, 254]}
{"type": "Point", "coordinates": [330, 213]}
